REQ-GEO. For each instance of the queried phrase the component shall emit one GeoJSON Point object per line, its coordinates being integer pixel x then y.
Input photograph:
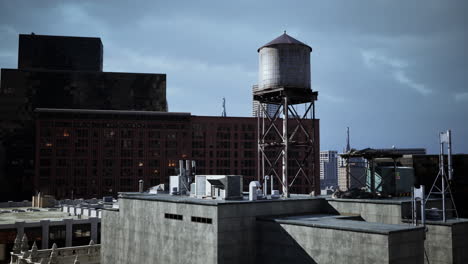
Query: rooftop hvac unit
{"type": "Point", "coordinates": [226, 187]}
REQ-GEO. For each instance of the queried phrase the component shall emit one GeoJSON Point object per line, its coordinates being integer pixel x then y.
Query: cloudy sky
{"type": "Point", "coordinates": [395, 72]}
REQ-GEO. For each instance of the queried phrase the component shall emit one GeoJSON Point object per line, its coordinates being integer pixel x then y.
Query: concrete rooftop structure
{"type": "Point", "coordinates": [301, 229]}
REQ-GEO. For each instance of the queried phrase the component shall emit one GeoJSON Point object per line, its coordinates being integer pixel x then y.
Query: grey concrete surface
{"type": "Point", "coordinates": [445, 242]}
{"type": "Point", "coordinates": [131, 234]}
{"type": "Point", "coordinates": [139, 232]}
{"type": "Point", "coordinates": [327, 241]}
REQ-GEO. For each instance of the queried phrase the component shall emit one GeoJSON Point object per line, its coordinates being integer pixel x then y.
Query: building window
{"type": "Point", "coordinates": [81, 234]}
{"type": "Point", "coordinates": [154, 144]}
{"type": "Point", "coordinates": [173, 216]}
{"type": "Point", "coordinates": [249, 154]}
{"type": "Point", "coordinates": [126, 163]}
{"type": "Point", "coordinates": [79, 133]}
{"type": "Point", "coordinates": [171, 144]}
{"type": "Point", "coordinates": [57, 235]}
{"type": "Point", "coordinates": [153, 134]}
{"type": "Point", "coordinates": [126, 143]}
{"type": "Point", "coordinates": [203, 220]}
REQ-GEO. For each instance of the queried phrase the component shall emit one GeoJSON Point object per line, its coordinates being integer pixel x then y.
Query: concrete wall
{"type": "Point", "coordinates": [286, 243]}
{"type": "Point", "coordinates": [90, 254]}
{"type": "Point", "coordinates": [447, 243]}
{"type": "Point", "coordinates": [406, 247]}
{"type": "Point", "coordinates": [460, 243]}
{"type": "Point", "coordinates": [386, 213]}
{"type": "Point", "coordinates": [378, 211]}
{"type": "Point", "coordinates": [237, 225]}
{"type": "Point", "coordinates": [438, 244]}
{"type": "Point", "coordinates": [111, 237]}
{"type": "Point", "coordinates": [139, 233]}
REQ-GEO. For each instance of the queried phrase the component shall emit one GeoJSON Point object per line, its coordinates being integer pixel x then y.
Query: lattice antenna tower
{"type": "Point", "coordinates": [441, 186]}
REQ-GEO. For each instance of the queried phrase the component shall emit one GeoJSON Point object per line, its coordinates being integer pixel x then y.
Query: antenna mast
{"type": "Point", "coordinates": [348, 147]}
{"type": "Point", "coordinates": [223, 114]}
{"type": "Point", "coordinates": [441, 185]}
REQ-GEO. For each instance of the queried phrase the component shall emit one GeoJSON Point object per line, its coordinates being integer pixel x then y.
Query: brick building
{"type": "Point", "coordinates": [92, 153]}
{"type": "Point", "coordinates": [60, 72]}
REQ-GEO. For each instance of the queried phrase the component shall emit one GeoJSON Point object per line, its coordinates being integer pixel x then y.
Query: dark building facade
{"type": "Point", "coordinates": [60, 72]}
{"type": "Point", "coordinates": [91, 153]}
{"type": "Point", "coordinates": [60, 53]}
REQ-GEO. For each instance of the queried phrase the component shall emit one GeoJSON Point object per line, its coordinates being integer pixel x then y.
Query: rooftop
{"type": "Point", "coordinates": [39, 36]}
{"type": "Point", "coordinates": [338, 222]}
{"type": "Point", "coordinates": [109, 112]}
{"type": "Point", "coordinates": [193, 200]}
{"type": "Point", "coordinates": [9, 216]}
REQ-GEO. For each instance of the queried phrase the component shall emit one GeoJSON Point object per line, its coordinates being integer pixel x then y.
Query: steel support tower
{"type": "Point", "coordinates": [276, 143]}
{"type": "Point", "coordinates": [441, 185]}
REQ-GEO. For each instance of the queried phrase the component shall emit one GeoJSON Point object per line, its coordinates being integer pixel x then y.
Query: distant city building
{"type": "Point", "coordinates": [60, 72]}
{"type": "Point", "coordinates": [257, 110]}
{"type": "Point", "coordinates": [93, 153]}
{"type": "Point", "coordinates": [328, 168]}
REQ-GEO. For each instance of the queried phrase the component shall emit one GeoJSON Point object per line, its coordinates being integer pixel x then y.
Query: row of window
{"type": "Point", "coordinates": [195, 219]}
{"type": "Point", "coordinates": [58, 124]}
{"type": "Point", "coordinates": [174, 216]}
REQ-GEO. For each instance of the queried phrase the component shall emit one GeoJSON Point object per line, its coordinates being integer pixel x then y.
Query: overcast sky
{"type": "Point", "coordinates": [395, 72]}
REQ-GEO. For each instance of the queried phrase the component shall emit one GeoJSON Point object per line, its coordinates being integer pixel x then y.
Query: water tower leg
{"type": "Point", "coordinates": [285, 148]}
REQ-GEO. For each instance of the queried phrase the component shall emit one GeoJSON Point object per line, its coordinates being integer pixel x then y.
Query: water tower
{"type": "Point", "coordinates": [284, 80]}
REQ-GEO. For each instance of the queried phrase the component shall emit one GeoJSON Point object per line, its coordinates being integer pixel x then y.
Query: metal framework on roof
{"type": "Point", "coordinates": [441, 186]}
{"type": "Point", "coordinates": [289, 137]}
{"type": "Point", "coordinates": [370, 155]}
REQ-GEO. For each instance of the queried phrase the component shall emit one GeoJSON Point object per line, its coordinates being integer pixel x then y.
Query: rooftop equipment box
{"type": "Point", "coordinates": [225, 187]}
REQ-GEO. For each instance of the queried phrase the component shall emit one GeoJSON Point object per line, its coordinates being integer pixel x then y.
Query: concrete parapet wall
{"type": "Point", "coordinates": [140, 233]}
{"type": "Point", "coordinates": [460, 243]}
{"type": "Point", "coordinates": [286, 243]}
{"type": "Point", "coordinates": [90, 254]}
{"type": "Point", "coordinates": [447, 243]}
{"type": "Point", "coordinates": [386, 213]}
{"type": "Point", "coordinates": [237, 226]}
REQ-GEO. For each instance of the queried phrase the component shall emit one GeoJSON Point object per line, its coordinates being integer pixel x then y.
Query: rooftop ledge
{"type": "Point", "coordinates": [212, 202]}
{"type": "Point", "coordinates": [339, 222]}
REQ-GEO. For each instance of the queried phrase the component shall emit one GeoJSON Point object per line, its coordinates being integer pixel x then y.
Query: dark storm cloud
{"type": "Point", "coordinates": [394, 71]}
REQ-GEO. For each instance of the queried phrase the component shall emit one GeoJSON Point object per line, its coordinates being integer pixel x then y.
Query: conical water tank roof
{"type": "Point", "coordinates": [284, 39]}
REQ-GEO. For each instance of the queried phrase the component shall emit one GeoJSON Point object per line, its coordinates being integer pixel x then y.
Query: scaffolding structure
{"type": "Point", "coordinates": [276, 143]}
{"type": "Point", "coordinates": [370, 155]}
